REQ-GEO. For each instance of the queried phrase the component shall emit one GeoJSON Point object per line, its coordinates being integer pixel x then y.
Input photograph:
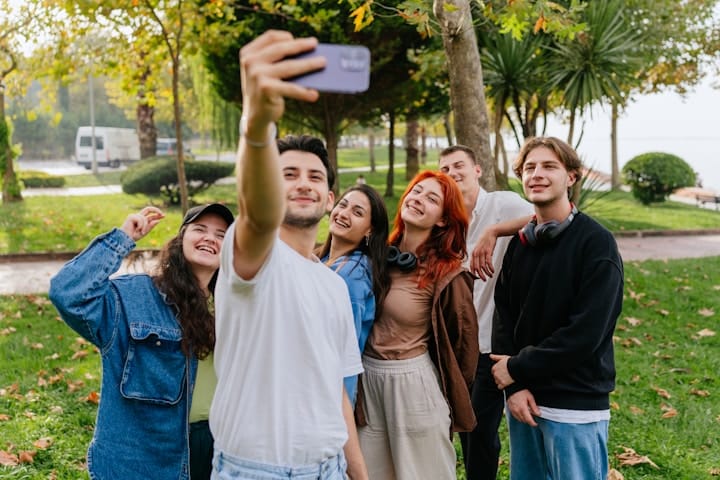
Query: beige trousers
{"type": "Point", "coordinates": [408, 432]}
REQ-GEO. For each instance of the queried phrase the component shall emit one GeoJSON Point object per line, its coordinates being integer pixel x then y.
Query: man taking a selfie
{"type": "Point", "coordinates": [284, 323]}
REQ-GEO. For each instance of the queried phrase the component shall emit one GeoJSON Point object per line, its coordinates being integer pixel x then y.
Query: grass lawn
{"type": "Point", "coordinates": [666, 406]}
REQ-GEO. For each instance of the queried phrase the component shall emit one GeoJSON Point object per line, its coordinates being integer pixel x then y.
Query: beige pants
{"type": "Point", "coordinates": [408, 432]}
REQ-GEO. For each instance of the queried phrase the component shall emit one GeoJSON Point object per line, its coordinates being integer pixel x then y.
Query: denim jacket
{"type": "Point", "coordinates": [141, 428]}
{"type": "Point", "coordinates": [355, 269]}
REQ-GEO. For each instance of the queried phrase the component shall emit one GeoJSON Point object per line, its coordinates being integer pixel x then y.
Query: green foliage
{"type": "Point", "coordinates": [158, 176]}
{"type": "Point", "coordinates": [655, 175]}
{"type": "Point", "coordinates": [36, 179]}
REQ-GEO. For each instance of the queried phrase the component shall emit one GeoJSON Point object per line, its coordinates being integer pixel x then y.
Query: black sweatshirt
{"type": "Point", "coordinates": [556, 307]}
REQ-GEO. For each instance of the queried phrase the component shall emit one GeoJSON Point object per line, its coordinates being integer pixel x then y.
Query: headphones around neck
{"type": "Point", "coordinates": [533, 234]}
{"type": "Point", "coordinates": [405, 261]}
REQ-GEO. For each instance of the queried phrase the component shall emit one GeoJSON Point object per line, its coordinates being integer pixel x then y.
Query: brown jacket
{"type": "Point", "coordinates": [453, 348]}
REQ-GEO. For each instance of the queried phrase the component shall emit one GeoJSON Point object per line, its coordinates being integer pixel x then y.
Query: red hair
{"type": "Point", "coordinates": [445, 248]}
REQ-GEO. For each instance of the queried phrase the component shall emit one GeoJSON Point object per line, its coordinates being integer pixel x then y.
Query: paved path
{"type": "Point", "coordinates": [25, 277]}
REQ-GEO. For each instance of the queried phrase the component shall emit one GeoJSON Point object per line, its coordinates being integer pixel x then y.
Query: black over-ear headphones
{"type": "Point", "coordinates": [533, 234]}
{"type": "Point", "coordinates": [405, 261]}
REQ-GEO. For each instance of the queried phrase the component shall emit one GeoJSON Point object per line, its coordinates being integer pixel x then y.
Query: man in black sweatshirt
{"type": "Point", "coordinates": [557, 302]}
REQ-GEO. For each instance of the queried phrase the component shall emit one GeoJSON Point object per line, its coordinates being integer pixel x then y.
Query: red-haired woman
{"type": "Point", "coordinates": [422, 352]}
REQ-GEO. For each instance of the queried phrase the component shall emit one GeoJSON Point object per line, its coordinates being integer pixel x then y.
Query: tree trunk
{"type": "Point", "coordinates": [331, 142]}
{"type": "Point", "coordinates": [10, 188]}
{"type": "Point", "coordinates": [571, 131]}
{"type": "Point", "coordinates": [448, 128]}
{"type": "Point", "coordinates": [371, 148]}
{"type": "Point", "coordinates": [182, 180]}
{"type": "Point", "coordinates": [423, 145]}
{"type": "Point", "coordinates": [145, 113]}
{"type": "Point", "coordinates": [615, 171]}
{"type": "Point", "coordinates": [390, 179]}
{"type": "Point", "coordinates": [467, 95]}
{"type": "Point", "coordinates": [412, 164]}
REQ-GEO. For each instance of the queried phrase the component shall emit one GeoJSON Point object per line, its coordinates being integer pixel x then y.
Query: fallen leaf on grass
{"type": "Point", "coordinates": [715, 472]}
{"type": "Point", "coordinates": [7, 331]}
{"type": "Point", "coordinates": [706, 312]}
{"type": "Point", "coordinates": [670, 412]}
{"type": "Point", "coordinates": [93, 397]}
{"type": "Point", "coordinates": [633, 321]}
{"type": "Point", "coordinates": [662, 392]}
{"type": "Point", "coordinates": [26, 456]}
{"type": "Point", "coordinates": [630, 458]}
{"type": "Point", "coordinates": [8, 459]}
{"type": "Point", "coordinates": [636, 410]}
{"type": "Point", "coordinates": [706, 332]}
{"type": "Point", "coordinates": [699, 393]}
{"type": "Point", "coordinates": [43, 443]}
{"type": "Point", "coordinates": [663, 312]}
{"type": "Point", "coordinates": [615, 475]}
{"type": "Point", "coordinates": [79, 354]}
{"type": "Point", "coordinates": [716, 287]}
{"type": "Point", "coordinates": [615, 405]}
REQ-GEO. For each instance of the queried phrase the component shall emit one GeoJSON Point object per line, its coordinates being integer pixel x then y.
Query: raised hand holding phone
{"type": "Point", "coordinates": [347, 69]}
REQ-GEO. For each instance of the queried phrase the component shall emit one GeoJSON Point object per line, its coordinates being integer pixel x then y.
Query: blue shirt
{"type": "Point", "coordinates": [141, 428]}
{"type": "Point", "coordinates": [355, 270]}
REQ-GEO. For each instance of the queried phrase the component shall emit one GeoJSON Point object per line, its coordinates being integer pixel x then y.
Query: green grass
{"type": "Point", "coordinates": [90, 180]}
{"type": "Point", "coordinates": [67, 224]}
{"type": "Point", "coordinates": [666, 348]}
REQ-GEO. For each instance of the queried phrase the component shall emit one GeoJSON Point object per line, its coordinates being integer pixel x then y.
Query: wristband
{"type": "Point", "coordinates": [252, 143]}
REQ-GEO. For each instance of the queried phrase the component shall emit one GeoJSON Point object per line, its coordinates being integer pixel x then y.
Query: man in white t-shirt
{"type": "Point", "coordinates": [492, 215]}
{"type": "Point", "coordinates": [284, 325]}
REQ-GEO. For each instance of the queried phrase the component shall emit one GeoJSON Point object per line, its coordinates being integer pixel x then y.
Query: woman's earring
{"type": "Point", "coordinates": [367, 240]}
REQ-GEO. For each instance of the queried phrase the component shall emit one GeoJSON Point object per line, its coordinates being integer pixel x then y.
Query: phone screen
{"type": "Point", "coordinates": [347, 69]}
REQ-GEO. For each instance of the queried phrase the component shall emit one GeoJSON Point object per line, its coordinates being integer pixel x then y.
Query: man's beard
{"type": "Point", "coordinates": [302, 222]}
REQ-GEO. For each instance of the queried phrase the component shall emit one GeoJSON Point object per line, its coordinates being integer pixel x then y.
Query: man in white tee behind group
{"type": "Point", "coordinates": [284, 325]}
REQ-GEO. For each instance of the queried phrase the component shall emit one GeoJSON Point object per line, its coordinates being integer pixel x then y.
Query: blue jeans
{"type": "Point", "coordinates": [227, 467]}
{"type": "Point", "coordinates": [558, 451]}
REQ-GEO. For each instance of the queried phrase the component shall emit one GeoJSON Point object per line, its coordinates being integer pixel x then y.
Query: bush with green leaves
{"type": "Point", "coordinates": [37, 179]}
{"type": "Point", "coordinates": [655, 175]}
{"type": "Point", "coordinates": [158, 176]}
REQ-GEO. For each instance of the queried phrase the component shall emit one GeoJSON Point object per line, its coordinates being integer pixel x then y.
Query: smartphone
{"type": "Point", "coordinates": [347, 69]}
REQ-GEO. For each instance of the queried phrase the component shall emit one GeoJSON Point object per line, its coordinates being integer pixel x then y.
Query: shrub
{"type": "Point", "coordinates": [36, 179]}
{"type": "Point", "coordinates": [158, 176]}
{"type": "Point", "coordinates": [655, 175]}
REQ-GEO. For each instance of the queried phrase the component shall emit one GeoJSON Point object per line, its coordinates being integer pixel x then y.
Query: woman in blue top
{"type": "Point", "coordinates": [356, 248]}
{"type": "Point", "coordinates": [150, 331]}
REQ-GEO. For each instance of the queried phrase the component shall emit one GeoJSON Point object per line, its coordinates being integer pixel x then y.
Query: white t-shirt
{"type": "Point", "coordinates": [491, 208]}
{"type": "Point", "coordinates": [285, 341]}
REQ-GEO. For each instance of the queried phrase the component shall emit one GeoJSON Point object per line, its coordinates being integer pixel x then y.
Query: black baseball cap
{"type": "Point", "coordinates": [215, 208]}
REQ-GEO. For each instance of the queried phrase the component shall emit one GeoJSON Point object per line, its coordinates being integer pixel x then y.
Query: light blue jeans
{"type": "Point", "coordinates": [558, 451]}
{"type": "Point", "coordinates": [227, 467]}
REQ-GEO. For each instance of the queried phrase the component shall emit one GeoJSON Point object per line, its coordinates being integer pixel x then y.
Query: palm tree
{"type": "Point", "coordinates": [598, 62]}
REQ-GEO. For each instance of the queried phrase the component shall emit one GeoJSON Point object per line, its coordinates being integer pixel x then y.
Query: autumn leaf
{"type": "Point", "coordinates": [615, 475]}
{"type": "Point", "coordinates": [27, 456]}
{"type": "Point", "coordinates": [630, 458]}
{"type": "Point", "coordinates": [715, 472]}
{"type": "Point", "coordinates": [614, 405]}
{"type": "Point", "coordinates": [706, 332]}
{"type": "Point", "coordinates": [93, 397]}
{"type": "Point", "coordinates": [43, 443]}
{"type": "Point", "coordinates": [662, 392]}
{"type": "Point", "coordinates": [633, 321]}
{"type": "Point", "coordinates": [663, 312]}
{"type": "Point", "coordinates": [8, 459]}
{"type": "Point", "coordinates": [706, 312]}
{"type": "Point", "coordinates": [636, 410]}
{"type": "Point", "coordinates": [670, 413]}
{"type": "Point", "coordinates": [79, 354]}
{"type": "Point", "coordinates": [699, 393]}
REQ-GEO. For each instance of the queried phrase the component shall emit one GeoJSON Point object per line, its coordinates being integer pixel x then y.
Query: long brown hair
{"type": "Point", "coordinates": [375, 246]}
{"type": "Point", "coordinates": [177, 281]}
{"type": "Point", "coordinates": [444, 250]}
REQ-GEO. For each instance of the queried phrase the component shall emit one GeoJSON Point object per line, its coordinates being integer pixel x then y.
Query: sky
{"type": "Point", "coordinates": [664, 122]}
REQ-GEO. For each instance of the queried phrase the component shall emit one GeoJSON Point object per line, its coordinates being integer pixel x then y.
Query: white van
{"type": "Point", "coordinates": [113, 146]}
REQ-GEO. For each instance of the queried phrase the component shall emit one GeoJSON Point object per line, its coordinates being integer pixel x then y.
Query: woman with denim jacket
{"type": "Point", "coordinates": [150, 331]}
{"type": "Point", "coordinates": [356, 249]}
